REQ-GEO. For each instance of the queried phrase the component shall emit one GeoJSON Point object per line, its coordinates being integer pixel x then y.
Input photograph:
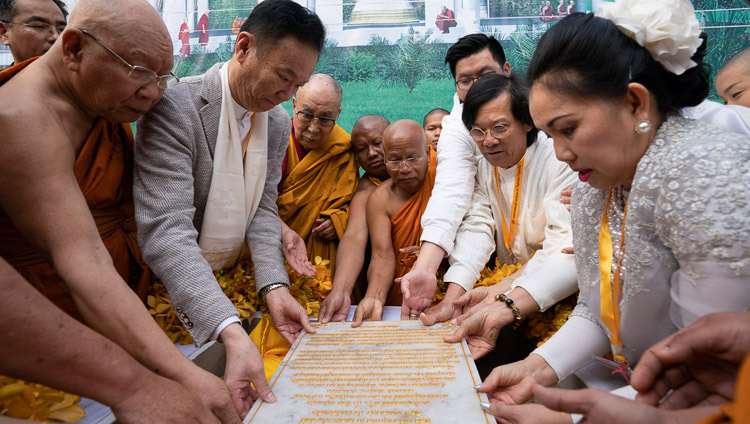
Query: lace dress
{"type": "Point", "coordinates": [687, 243]}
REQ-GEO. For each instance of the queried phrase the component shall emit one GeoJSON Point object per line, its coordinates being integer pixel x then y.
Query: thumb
{"type": "Point", "coordinates": [358, 314]}
{"type": "Point", "coordinates": [571, 401]}
{"type": "Point", "coordinates": [325, 313]}
{"type": "Point", "coordinates": [263, 389]}
{"type": "Point", "coordinates": [305, 321]}
{"type": "Point", "coordinates": [457, 335]}
{"type": "Point", "coordinates": [463, 299]}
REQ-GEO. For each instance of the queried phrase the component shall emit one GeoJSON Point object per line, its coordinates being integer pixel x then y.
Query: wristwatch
{"type": "Point", "coordinates": [273, 286]}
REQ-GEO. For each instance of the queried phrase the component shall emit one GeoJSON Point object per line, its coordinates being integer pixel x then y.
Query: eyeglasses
{"type": "Point", "coordinates": [137, 73]}
{"type": "Point", "coordinates": [466, 83]}
{"type": "Point", "coordinates": [307, 118]}
{"type": "Point", "coordinates": [395, 165]}
{"type": "Point", "coordinates": [41, 27]}
{"type": "Point", "coordinates": [497, 131]}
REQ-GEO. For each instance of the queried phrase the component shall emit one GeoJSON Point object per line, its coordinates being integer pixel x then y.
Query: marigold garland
{"type": "Point", "coordinates": [31, 401]}
{"type": "Point", "coordinates": [238, 283]}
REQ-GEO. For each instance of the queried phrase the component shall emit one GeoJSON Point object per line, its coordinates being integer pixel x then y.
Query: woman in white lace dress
{"type": "Point", "coordinates": [661, 217]}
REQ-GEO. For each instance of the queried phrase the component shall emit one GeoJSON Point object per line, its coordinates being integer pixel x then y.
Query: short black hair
{"type": "Point", "coordinates": [434, 111]}
{"type": "Point", "coordinates": [272, 20]}
{"type": "Point", "coordinates": [471, 44]}
{"type": "Point", "coordinates": [8, 9]}
{"type": "Point", "coordinates": [493, 86]}
{"type": "Point", "coordinates": [585, 56]}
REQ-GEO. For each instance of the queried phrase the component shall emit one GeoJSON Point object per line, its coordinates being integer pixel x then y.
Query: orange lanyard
{"type": "Point", "coordinates": [246, 141]}
{"type": "Point", "coordinates": [375, 180]}
{"type": "Point", "coordinates": [510, 232]}
{"type": "Point", "coordinates": [609, 289]}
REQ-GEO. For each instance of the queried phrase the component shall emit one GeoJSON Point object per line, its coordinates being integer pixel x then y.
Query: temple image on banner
{"type": "Point", "coordinates": [372, 12]}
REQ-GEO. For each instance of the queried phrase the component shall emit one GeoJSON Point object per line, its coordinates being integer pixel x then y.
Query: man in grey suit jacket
{"type": "Point", "coordinates": [275, 53]}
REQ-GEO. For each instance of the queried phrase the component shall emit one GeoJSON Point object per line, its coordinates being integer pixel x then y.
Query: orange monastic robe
{"type": "Point", "coordinates": [406, 229]}
{"type": "Point", "coordinates": [319, 185]}
{"type": "Point", "coordinates": [104, 173]}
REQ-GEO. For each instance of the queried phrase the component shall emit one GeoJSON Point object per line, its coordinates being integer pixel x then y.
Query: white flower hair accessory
{"type": "Point", "coordinates": [668, 29]}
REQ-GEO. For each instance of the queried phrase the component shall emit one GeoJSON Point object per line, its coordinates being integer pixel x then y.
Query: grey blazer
{"type": "Point", "coordinates": [174, 152]}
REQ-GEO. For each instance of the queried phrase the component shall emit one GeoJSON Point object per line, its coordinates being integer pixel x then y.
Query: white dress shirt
{"type": "Point", "coordinates": [454, 183]}
{"type": "Point", "coordinates": [543, 226]}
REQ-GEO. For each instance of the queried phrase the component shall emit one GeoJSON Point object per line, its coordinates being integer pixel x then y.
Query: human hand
{"type": "Point", "coordinates": [481, 328]}
{"type": "Point", "coordinates": [565, 196]}
{"type": "Point", "coordinates": [369, 309]}
{"type": "Point", "coordinates": [213, 393]}
{"type": "Point", "coordinates": [597, 406]}
{"type": "Point", "coordinates": [526, 414]}
{"type": "Point", "coordinates": [699, 363]}
{"type": "Point", "coordinates": [411, 250]}
{"type": "Point", "coordinates": [156, 399]}
{"type": "Point", "coordinates": [568, 250]}
{"type": "Point", "coordinates": [244, 365]}
{"type": "Point", "coordinates": [446, 309]}
{"type": "Point", "coordinates": [295, 253]}
{"type": "Point", "coordinates": [335, 307]}
{"type": "Point", "coordinates": [474, 299]}
{"type": "Point", "coordinates": [418, 287]}
{"type": "Point", "coordinates": [512, 384]}
{"type": "Point", "coordinates": [324, 229]}
{"type": "Point", "coordinates": [288, 315]}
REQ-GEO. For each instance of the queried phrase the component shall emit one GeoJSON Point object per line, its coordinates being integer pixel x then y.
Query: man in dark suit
{"type": "Point", "coordinates": [208, 163]}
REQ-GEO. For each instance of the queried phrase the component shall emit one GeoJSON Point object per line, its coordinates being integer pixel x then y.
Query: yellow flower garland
{"type": "Point", "coordinates": [31, 401]}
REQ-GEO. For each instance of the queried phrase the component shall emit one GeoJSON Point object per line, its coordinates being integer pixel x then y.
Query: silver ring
{"type": "Point", "coordinates": [413, 316]}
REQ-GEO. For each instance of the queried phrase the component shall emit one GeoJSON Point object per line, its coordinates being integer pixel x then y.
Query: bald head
{"type": "Point", "coordinates": [91, 58]}
{"type": "Point", "coordinates": [322, 85]}
{"type": "Point", "coordinates": [320, 97]}
{"type": "Point", "coordinates": [733, 79]}
{"type": "Point", "coordinates": [405, 131]}
{"type": "Point", "coordinates": [367, 142]}
{"type": "Point", "coordinates": [406, 155]}
{"type": "Point", "coordinates": [129, 21]}
{"type": "Point", "coordinates": [371, 121]}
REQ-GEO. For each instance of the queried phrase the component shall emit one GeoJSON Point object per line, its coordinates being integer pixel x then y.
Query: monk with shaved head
{"type": "Point", "coordinates": [319, 173]}
{"type": "Point", "coordinates": [394, 211]}
{"type": "Point", "coordinates": [66, 209]}
{"type": "Point", "coordinates": [367, 143]}
{"type": "Point", "coordinates": [733, 79]}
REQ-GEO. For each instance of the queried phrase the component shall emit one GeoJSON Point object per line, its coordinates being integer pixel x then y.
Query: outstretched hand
{"type": "Point", "coordinates": [295, 253]}
{"type": "Point", "coordinates": [288, 315]}
{"type": "Point", "coordinates": [418, 288]}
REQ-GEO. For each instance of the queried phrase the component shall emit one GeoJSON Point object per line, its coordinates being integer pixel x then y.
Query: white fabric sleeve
{"type": "Point", "coordinates": [224, 324]}
{"type": "Point", "coordinates": [474, 241]}
{"type": "Point", "coordinates": [550, 275]}
{"type": "Point", "coordinates": [572, 346]}
{"type": "Point", "coordinates": [454, 184]}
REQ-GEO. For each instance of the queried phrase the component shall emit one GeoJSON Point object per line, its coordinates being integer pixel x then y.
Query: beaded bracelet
{"type": "Point", "coordinates": [512, 306]}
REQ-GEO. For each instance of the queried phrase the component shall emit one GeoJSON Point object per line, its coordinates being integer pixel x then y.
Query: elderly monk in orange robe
{"type": "Point", "coordinates": [65, 180]}
{"type": "Point", "coordinates": [394, 211]}
{"type": "Point", "coordinates": [319, 172]}
{"type": "Point", "coordinates": [367, 142]}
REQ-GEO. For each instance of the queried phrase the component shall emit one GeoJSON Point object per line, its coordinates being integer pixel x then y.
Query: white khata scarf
{"type": "Point", "coordinates": [236, 189]}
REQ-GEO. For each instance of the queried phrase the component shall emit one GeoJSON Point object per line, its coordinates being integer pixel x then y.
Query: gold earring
{"type": "Point", "coordinates": [643, 126]}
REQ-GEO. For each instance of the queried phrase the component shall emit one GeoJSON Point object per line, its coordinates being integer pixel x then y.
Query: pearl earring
{"type": "Point", "coordinates": [643, 126]}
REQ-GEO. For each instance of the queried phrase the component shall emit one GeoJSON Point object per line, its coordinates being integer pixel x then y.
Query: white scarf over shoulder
{"type": "Point", "coordinates": [236, 187]}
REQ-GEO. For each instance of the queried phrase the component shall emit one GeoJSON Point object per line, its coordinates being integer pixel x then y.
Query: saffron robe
{"type": "Point", "coordinates": [104, 173]}
{"type": "Point", "coordinates": [319, 185]}
{"type": "Point", "coordinates": [406, 229]}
